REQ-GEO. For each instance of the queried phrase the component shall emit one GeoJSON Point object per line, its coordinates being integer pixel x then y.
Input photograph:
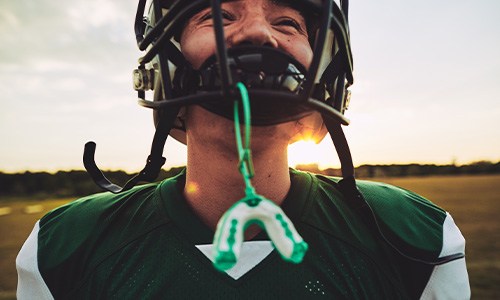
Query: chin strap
{"type": "Point", "coordinates": [153, 165]}
{"type": "Point", "coordinates": [348, 188]}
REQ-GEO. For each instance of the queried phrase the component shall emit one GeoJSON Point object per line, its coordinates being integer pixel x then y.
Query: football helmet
{"type": "Point", "coordinates": [280, 88]}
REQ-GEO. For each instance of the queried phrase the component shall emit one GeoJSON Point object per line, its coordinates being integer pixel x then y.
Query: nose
{"type": "Point", "coordinates": [253, 31]}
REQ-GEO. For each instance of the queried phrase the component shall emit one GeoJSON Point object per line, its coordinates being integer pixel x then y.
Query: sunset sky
{"type": "Point", "coordinates": [427, 85]}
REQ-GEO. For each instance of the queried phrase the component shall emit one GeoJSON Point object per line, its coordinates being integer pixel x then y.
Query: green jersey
{"type": "Point", "coordinates": [147, 243]}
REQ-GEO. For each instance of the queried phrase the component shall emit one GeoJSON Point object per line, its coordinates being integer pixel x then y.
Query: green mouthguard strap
{"type": "Point", "coordinates": [245, 165]}
{"type": "Point", "coordinates": [253, 208]}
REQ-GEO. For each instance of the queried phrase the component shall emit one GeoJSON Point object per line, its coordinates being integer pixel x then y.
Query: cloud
{"type": "Point", "coordinates": [8, 19]}
{"type": "Point", "coordinates": [32, 30]}
{"type": "Point", "coordinates": [57, 54]}
{"type": "Point", "coordinates": [91, 14]}
{"type": "Point", "coordinates": [50, 41]}
{"type": "Point", "coordinates": [52, 65]}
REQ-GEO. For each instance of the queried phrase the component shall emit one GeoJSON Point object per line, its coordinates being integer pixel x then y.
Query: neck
{"type": "Point", "coordinates": [213, 182]}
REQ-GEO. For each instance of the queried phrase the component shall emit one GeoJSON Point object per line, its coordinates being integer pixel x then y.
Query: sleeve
{"type": "Point", "coordinates": [449, 280]}
{"type": "Point", "coordinates": [30, 284]}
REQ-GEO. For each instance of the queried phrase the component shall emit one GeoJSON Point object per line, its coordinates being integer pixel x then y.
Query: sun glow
{"type": "Point", "coordinates": [308, 152]}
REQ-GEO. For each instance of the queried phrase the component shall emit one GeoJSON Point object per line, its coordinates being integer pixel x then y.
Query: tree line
{"type": "Point", "coordinates": [78, 183]}
{"type": "Point", "coordinates": [61, 184]}
{"type": "Point", "coordinates": [406, 170]}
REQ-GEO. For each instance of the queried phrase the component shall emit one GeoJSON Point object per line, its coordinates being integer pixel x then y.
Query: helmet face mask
{"type": "Point", "coordinates": [260, 69]}
{"type": "Point", "coordinates": [272, 87]}
{"type": "Point", "coordinates": [279, 87]}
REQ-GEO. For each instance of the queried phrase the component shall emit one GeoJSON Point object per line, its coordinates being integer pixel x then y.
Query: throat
{"type": "Point", "coordinates": [213, 186]}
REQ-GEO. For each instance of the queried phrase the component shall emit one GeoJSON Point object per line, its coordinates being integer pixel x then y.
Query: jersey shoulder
{"type": "Point", "coordinates": [412, 223]}
{"type": "Point", "coordinates": [81, 234]}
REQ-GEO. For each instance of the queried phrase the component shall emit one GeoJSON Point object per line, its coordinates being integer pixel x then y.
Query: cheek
{"type": "Point", "coordinates": [197, 46]}
{"type": "Point", "coordinates": [300, 50]}
{"type": "Point", "coordinates": [304, 55]}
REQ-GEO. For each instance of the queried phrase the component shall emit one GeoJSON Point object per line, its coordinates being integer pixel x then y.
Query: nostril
{"type": "Point", "coordinates": [255, 33]}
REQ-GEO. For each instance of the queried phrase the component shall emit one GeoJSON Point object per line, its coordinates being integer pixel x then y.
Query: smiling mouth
{"type": "Point", "coordinates": [273, 78]}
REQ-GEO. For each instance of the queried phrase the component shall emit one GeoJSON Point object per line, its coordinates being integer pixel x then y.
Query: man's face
{"type": "Point", "coordinates": [248, 22]}
{"type": "Point", "coordinates": [252, 22]}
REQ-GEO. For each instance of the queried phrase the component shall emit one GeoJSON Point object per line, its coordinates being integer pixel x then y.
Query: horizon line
{"type": "Point", "coordinates": [311, 165]}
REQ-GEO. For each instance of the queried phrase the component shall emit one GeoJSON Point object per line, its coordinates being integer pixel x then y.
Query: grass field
{"type": "Point", "coordinates": [473, 201]}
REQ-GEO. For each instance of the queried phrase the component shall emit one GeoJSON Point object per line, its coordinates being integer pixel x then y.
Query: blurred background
{"type": "Point", "coordinates": [426, 91]}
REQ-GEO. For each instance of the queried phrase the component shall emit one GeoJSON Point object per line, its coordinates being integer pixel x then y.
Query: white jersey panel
{"type": "Point", "coordinates": [450, 280]}
{"type": "Point", "coordinates": [30, 284]}
{"type": "Point", "coordinates": [252, 253]}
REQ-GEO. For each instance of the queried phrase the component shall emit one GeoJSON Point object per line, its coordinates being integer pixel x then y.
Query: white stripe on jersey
{"type": "Point", "coordinates": [450, 280]}
{"type": "Point", "coordinates": [252, 253]}
{"type": "Point", "coordinates": [30, 284]}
